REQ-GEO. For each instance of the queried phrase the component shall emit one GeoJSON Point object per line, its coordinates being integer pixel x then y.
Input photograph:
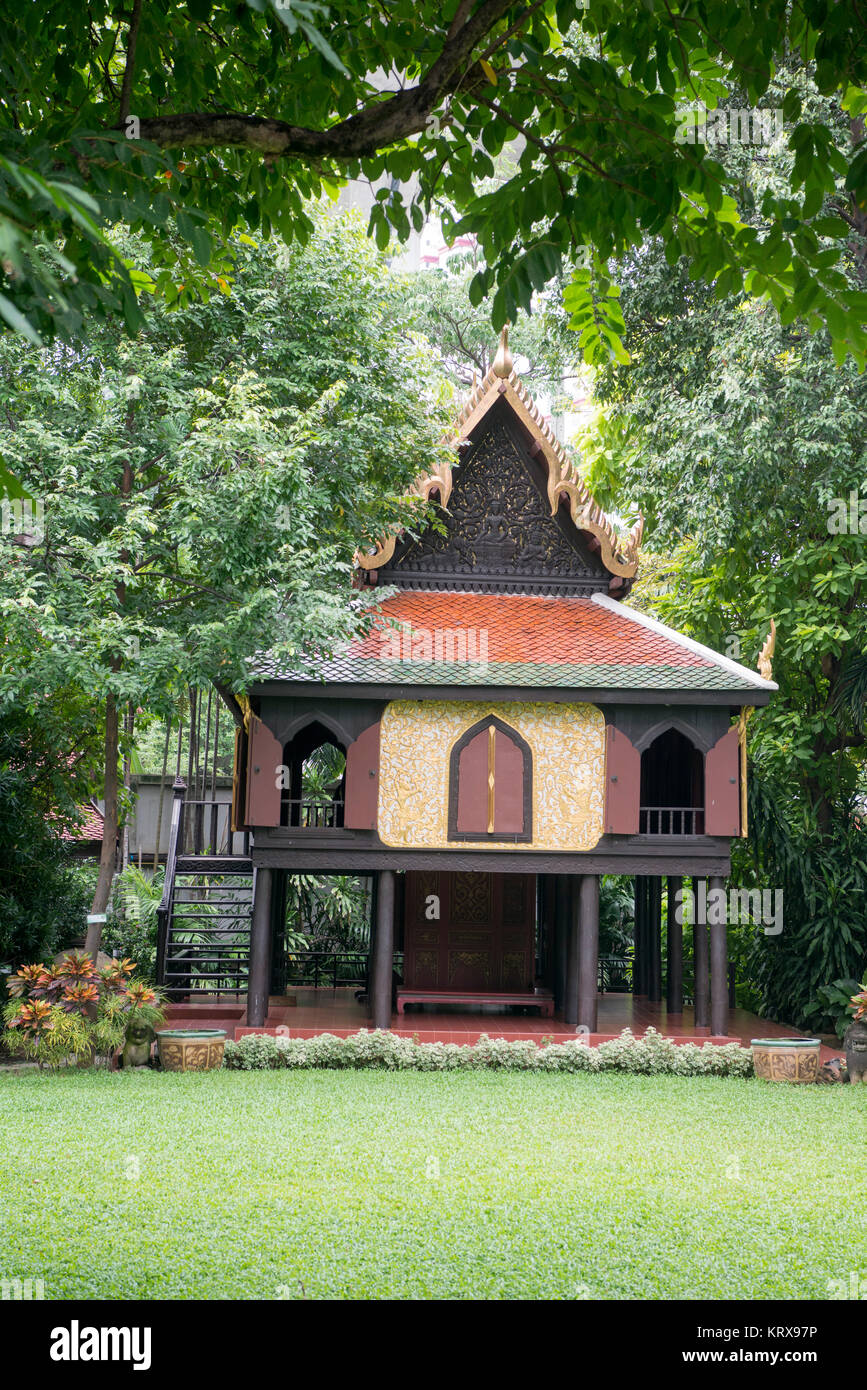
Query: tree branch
{"type": "Point", "coordinates": [362, 134]}
{"type": "Point", "coordinates": [129, 66]}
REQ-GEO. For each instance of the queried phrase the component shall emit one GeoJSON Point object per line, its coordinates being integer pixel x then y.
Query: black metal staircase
{"type": "Point", "coordinates": [205, 916]}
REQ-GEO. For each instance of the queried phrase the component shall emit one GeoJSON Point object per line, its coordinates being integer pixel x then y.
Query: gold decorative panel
{"type": "Point", "coordinates": [471, 898]}
{"type": "Point", "coordinates": [568, 746]}
{"type": "Point", "coordinates": [471, 962]}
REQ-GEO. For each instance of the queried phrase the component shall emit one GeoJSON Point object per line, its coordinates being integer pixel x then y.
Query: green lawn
{"type": "Point", "coordinates": [475, 1185]}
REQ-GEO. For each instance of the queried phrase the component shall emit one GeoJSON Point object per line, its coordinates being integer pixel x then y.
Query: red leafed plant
{"type": "Point", "coordinates": [24, 980]}
{"type": "Point", "coordinates": [859, 1002]}
{"type": "Point", "coordinates": [115, 976]}
{"type": "Point", "coordinates": [137, 995]}
{"type": "Point", "coordinates": [79, 997]}
{"type": "Point", "coordinates": [72, 1009]}
{"type": "Point", "coordinates": [34, 1018]}
{"type": "Point", "coordinates": [77, 965]}
{"type": "Point", "coordinates": [48, 984]}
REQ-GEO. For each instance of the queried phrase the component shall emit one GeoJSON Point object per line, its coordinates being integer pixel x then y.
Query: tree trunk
{"type": "Point", "coordinates": [128, 728]}
{"type": "Point", "coordinates": [109, 828]}
{"type": "Point", "coordinates": [162, 795]}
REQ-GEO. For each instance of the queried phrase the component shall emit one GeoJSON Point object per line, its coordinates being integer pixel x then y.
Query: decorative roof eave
{"type": "Point", "coordinates": [619, 554]}
{"type": "Point", "coordinates": [439, 482]}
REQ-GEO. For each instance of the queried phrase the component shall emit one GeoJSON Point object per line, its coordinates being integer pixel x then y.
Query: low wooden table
{"type": "Point", "coordinates": [541, 999]}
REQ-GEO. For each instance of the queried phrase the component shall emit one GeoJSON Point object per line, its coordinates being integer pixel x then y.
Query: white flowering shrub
{"type": "Point", "coordinates": [650, 1054]}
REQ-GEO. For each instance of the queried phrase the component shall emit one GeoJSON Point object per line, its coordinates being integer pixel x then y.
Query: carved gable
{"type": "Point", "coordinates": [499, 531]}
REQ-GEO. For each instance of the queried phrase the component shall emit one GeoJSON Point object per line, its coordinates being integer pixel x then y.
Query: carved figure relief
{"type": "Point", "coordinates": [498, 527]}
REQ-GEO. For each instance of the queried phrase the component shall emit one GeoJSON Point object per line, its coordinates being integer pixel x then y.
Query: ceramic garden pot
{"type": "Point", "coordinates": [855, 1043]}
{"type": "Point", "coordinates": [786, 1059]}
{"type": "Point", "coordinates": [191, 1049]}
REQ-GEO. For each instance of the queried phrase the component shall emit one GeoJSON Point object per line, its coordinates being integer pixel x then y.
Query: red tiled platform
{"type": "Point", "coordinates": [338, 1012]}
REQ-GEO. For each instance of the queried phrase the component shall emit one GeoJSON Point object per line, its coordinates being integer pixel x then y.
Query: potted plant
{"type": "Point", "coordinates": [73, 1010]}
{"type": "Point", "coordinates": [191, 1049]}
{"type": "Point", "coordinates": [855, 1037]}
{"type": "Point", "coordinates": [786, 1059]}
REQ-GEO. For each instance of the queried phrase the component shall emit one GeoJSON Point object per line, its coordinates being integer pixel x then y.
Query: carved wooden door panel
{"type": "Point", "coordinates": [421, 931]}
{"type": "Point", "coordinates": [468, 945]}
{"type": "Point", "coordinates": [484, 939]}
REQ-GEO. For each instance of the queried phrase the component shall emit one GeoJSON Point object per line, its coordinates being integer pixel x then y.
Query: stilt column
{"type": "Point", "coordinates": [562, 890]}
{"type": "Point", "coordinates": [383, 950]}
{"type": "Point", "coordinates": [654, 940]}
{"type": "Point", "coordinates": [570, 1003]}
{"type": "Point", "coordinates": [674, 951]}
{"type": "Point", "coordinates": [639, 955]}
{"type": "Point", "coordinates": [588, 952]}
{"type": "Point", "coordinates": [701, 993]}
{"type": "Point", "coordinates": [258, 987]}
{"type": "Point", "coordinates": [719, 985]}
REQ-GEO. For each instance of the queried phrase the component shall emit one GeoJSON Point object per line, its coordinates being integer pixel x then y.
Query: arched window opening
{"type": "Point", "coordinates": [490, 784]}
{"type": "Point", "coordinates": [314, 781]}
{"type": "Point", "coordinates": [672, 786]}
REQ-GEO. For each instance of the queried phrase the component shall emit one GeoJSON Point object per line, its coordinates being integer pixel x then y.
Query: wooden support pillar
{"type": "Point", "coordinates": [674, 951]}
{"type": "Point", "coordinates": [371, 944]}
{"type": "Point", "coordinates": [383, 952]}
{"type": "Point", "coordinates": [639, 957]}
{"type": "Point", "coordinates": [588, 951]}
{"type": "Point", "coordinates": [547, 927]}
{"type": "Point", "coordinates": [701, 993]}
{"type": "Point", "coordinates": [259, 984]}
{"type": "Point", "coordinates": [279, 900]}
{"type": "Point", "coordinates": [645, 936]}
{"type": "Point", "coordinates": [562, 889]}
{"type": "Point", "coordinates": [719, 985]}
{"type": "Point", "coordinates": [570, 1002]}
{"type": "Point", "coordinates": [654, 942]}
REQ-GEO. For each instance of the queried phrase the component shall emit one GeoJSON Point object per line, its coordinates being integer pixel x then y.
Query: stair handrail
{"type": "Point", "coordinates": [179, 789]}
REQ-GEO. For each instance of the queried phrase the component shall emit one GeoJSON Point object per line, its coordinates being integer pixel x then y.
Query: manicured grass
{"type": "Point", "coordinates": [444, 1185]}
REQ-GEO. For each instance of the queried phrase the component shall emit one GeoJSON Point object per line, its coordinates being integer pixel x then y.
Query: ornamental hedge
{"type": "Point", "coordinates": [650, 1054]}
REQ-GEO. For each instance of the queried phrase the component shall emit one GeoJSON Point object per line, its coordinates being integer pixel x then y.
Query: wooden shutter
{"type": "Point", "coordinates": [473, 786]}
{"type": "Point", "coordinates": [264, 761]}
{"type": "Point", "coordinates": [722, 814]}
{"type": "Point", "coordinates": [496, 750]}
{"type": "Point", "coordinates": [239, 779]}
{"type": "Point", "coordinates": [622, 783]}
{"type": "Point", "coordinates": [508, 786]}
{"type": "Point", "coordinates": [362, 781]}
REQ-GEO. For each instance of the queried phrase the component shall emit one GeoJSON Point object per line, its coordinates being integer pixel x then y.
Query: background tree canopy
{"type": "Point", "coordinates": [205, 484]}
{"type": "Point", "coordinates": [203, 117]}
{"type": "Point", "coordinates": [743, 443]}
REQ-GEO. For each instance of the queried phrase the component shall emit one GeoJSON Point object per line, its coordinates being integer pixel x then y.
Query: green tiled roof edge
{"type": "Point", "coordinates": [602, 675]}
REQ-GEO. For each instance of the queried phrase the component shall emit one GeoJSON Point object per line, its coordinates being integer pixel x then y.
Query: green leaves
{"type": "Point", "coordinates": [570, 138]}
{"type": "Point", "coordinates": [296, 393]}
{"type": "Point", "coordinates": [197, 236]}
{"type": "Point", "coordinates": [593, 304]}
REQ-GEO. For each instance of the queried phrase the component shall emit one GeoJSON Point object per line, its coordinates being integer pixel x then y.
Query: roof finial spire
{"type": "Point", "coordinates": [503, 364]}
{"type": "Point", "coordinates": [764, 662]}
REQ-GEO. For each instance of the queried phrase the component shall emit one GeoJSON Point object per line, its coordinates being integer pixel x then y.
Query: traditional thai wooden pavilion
{"type": "Point", "coordinates": [512, 731]}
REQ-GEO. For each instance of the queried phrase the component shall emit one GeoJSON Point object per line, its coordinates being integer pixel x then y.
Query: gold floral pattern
{"type": "Point", "coordinates": [786, 1063]}
{"type": "Point", "coordinates": [472, 961]}
{"type": "Point", "coordinates": [568, 746]}
{"type": "Point", "coordinates": [191, 1054]}
{"type": "Point", "coordinates": [471, 898]}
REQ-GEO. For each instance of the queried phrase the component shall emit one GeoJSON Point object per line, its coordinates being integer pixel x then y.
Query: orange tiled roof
{"type": "Point", "coordinates": [91, 827]}
{"type": "Point", "coordinates": [531, 629]}
{"type": "Point", "coordinates": [447, 637]}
